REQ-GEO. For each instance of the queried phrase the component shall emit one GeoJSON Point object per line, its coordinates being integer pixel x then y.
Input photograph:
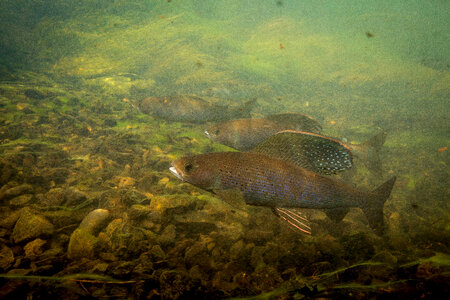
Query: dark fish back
{"type": "Point", "coordinates": [188, 108]}
{"type": "Point", "coordinates": [296, 121]}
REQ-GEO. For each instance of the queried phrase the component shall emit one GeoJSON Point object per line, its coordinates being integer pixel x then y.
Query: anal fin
{"type": "Point", "coordinates": [293, 218]}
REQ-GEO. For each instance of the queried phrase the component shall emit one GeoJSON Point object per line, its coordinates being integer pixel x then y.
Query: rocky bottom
{"type": "Point", "coordinates": [89, 209]}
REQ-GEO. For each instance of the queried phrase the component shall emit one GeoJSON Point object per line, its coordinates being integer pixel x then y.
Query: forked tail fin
{"type": "Point", "coordinates": [372, 206]}
{"type": "Point", "coordinates": [369, 153]}
{"type": "Point", "coordinates": [244, 110]}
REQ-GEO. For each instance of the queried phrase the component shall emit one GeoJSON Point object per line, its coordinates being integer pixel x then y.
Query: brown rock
{"type": "Point", "coordinates": [34, 248]}
{"type": "Point", "coordinates": [30, 226]}
{"type": "Point", "coordinates": [6, 257]}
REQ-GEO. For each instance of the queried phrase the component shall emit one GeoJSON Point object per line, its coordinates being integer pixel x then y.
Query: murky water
{"type": "Point", "coordinates": [89, 207]}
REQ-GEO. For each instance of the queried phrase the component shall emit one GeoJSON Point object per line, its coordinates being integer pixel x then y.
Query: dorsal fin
{"type": "Point", "coordinates": [311, 151]}
{"type": "Point", "coordinates": [297, 121]}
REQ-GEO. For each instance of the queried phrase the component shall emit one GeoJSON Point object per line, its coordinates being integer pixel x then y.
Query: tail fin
{"type": "Point", "coordinates": [369, 153]}
{"type": "Point", "coordinates": [372, 206]}
{"type": "Point", "coordinates": [243, 111]}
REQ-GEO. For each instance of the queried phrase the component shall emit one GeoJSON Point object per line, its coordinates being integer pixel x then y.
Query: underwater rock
{"type": "Point", "coordinates": [30, 225]}
{"type": "Point", "coordinates": [139, 211]}
{"type": "Point", "coordinates": [157, 253]}
{"type": "Point", "coordinates": [94, 221]}
{"type": "Point", "coordinates": [21, 200]}
{"type": "Point", "coordinates": [34, 248]}
{"type": "Point", "coordinates": [73, 196]}
{"type": "Point", "coordinates": [174, 205]}
{"type": "Point", "coordinates": [358, 247]}
{"type": "Point", "coordinates": [8, 218]}
{"type": "Point", "coordinates": [7, 172]}
{"type": "Point", "coordinates": [265, 278]}
{"type": "Point", "coordinates": [192, 227]}
{"type": "Point", "coordinates": [54, 197]}
{"type": "Point", "coordinates": [57, 175]}
{"type": "Point", "coordinates": [385, 257]}
{"type": "Point", "coordinates": [237, 249]}
{"type": "Point", "coordinates": [167, 236]}
{"type": "Point", "coordinates": [258, 236]}
{"type": "Point", "coordinates": [16, 191]}
{"type": "Point", "coordinates": [106, 256]}
{"type": "Point", "coordinates": [256, 258]}
{"type": "Point", "coordinates": [124, 240]}
{"type": "Point", "coordinates": [123, 181]}
{"type": "Point", "coordinates": [82, 244]}
{"type": "Point", "coordinates": [130, 197]}
{"type": "Point", "coordinates": [6, 257]}
{"type": "Point", "coordinates": [68, 219]}
{"type": "Point", "coordinates": [99, 268]}
{"type": "Point", "coordinates": [35, 94]}
{"type": "Point", "coordinates": [196, 254]}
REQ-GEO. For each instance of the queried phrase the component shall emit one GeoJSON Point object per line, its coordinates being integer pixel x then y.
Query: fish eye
{"type": "Point", "coordinates": [188, 167]}
{"type": "Point", "coordinates": [217, 131]}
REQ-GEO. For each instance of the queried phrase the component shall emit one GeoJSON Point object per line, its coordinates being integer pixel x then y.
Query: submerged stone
{"type": "Point", "coordinates": [168, 235]}
{"type": "Point", "coordinates": [94, 221]}
{"type": "Point", "coordinates": [21, 200]}
{"type": "Point", "coordinates": [17, 191]}
{"type": "Point", "coordinates": [31, 226]}
{"type": "Point", "coordinates": [6, 257]}
{"type": "Point", "coordinates": [81, 245]}
{"type": "Point", "coordinates": [34, 248]}
{"type": "Point", "coordinates": [54, 197]}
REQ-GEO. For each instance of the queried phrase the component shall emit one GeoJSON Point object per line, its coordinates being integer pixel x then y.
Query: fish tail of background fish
{"type": "Point", "coordinates": [242, 111]}
{"type": "Point", "coordinates": [372, 206]}
{"type": "Point", "coordinates": [369, 153]}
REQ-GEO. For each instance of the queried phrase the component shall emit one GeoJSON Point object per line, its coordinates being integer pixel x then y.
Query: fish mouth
{"type": "Point", "coordinates": [175, 173]}
{"type": "Point", "coordinates": [207, 134]}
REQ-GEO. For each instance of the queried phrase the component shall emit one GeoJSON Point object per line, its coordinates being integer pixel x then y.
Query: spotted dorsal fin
{"type": "Point", "coordinates": [311, 151]}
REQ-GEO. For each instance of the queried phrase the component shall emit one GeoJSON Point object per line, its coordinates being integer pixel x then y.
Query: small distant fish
{"type": "Point", "coordinates": [368, 34]}
{"type": "Point", "coordinates": [442, 149]}
{"type": "Point", "coordinates": [245, 134]}
{"type": "Point", "coordinates": [281, 46]}
{"type": "Point", "coordinates": [266, 181]}
{"type": "Point", "coordinates": [186, 108]}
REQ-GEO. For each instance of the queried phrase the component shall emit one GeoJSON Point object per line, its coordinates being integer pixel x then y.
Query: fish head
{"type": "Point", "coordinates": [196, 171]}
{"type": "Point", "coordinates": [214, 133]}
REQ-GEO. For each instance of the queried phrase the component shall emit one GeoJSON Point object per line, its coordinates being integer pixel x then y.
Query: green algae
{"type": "Point", "coordinates": [439, 259]}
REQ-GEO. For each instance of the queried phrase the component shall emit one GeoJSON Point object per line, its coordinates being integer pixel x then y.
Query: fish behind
{"type": "Point", "coordinates": [245, 134]}
{"type": "Point", "coordinates": [274, 183]}
{"type": "Point", "coordinates": [187, 108]}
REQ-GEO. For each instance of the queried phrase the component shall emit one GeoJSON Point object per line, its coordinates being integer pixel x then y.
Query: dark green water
{"type": "Point", "coordinates": [72, 141]}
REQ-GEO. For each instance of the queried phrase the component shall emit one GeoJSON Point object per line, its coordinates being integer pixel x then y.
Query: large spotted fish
{"type": "Point", "coordinates": [187, 108]}
{"type": "Point", "coordinates": [267, 181]}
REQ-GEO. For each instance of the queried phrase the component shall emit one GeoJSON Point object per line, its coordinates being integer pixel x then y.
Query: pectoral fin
{"type": "Point", "coordinates": [233, 197]}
